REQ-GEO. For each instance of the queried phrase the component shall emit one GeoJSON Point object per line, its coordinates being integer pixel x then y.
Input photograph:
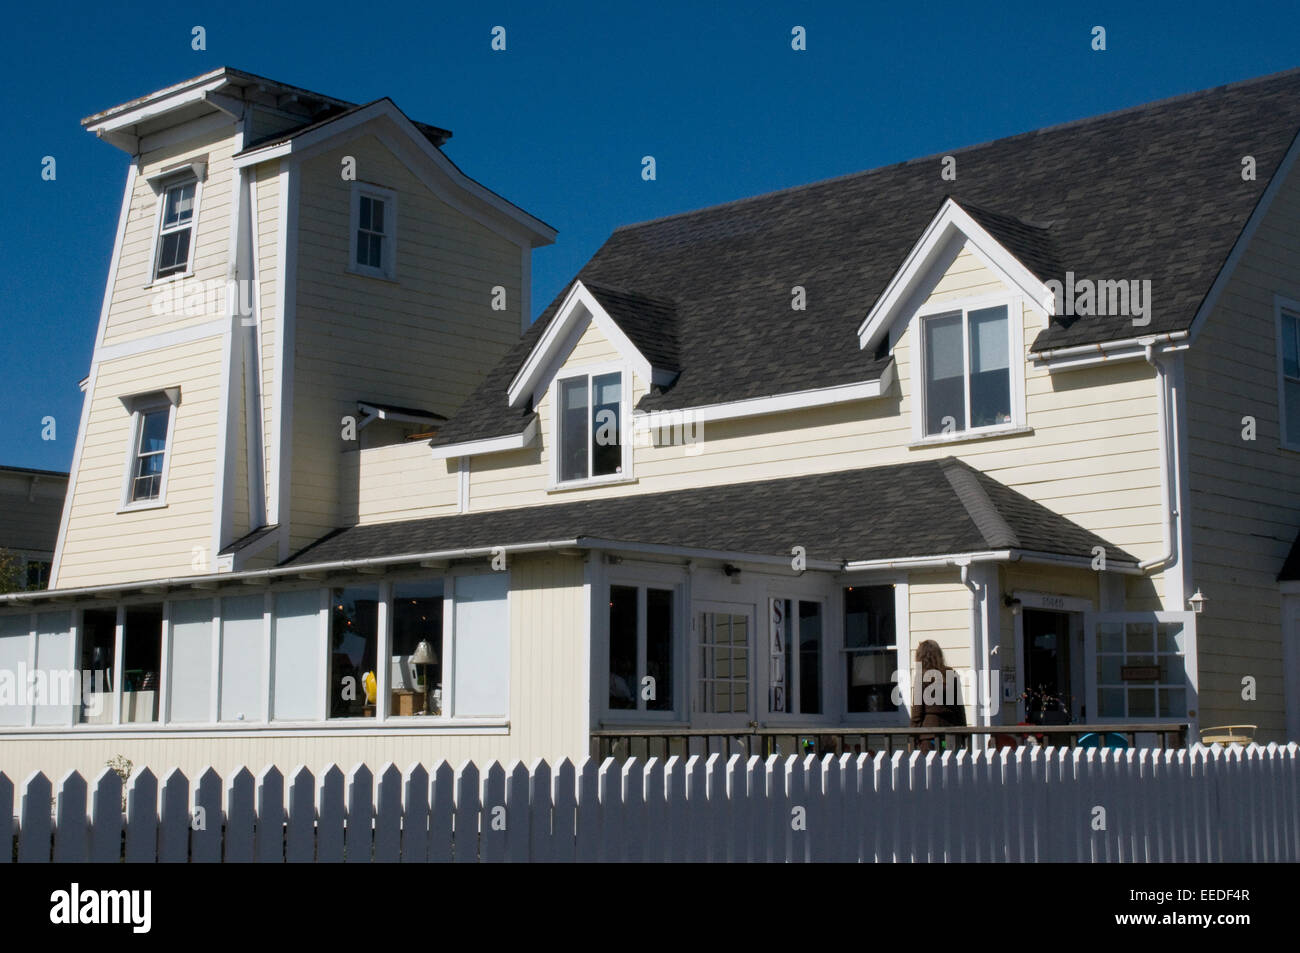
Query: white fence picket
{"type": "Point", "coordinates": [241, 817]}
{"type": "Point", "coordinates": [1022, 805]}
{"type": "Point", "coordinates": [174, 818]}
{"type": "Point", "coordinates": [142, 818]}
{"type": "Point", "coordinates": [495, 822]}
{"type": "Point", "coordinates": [106, 817]}
{"type": "Point", "coordinates": [519, 819]}
{"type": "Point", "coordinates": [564, 812]}
{"type": "Point", "coordinates": [331, 813]}
{"type": "Point", "coordinates": [415, 815]}
{"type": "Point", "coordinates": [541, 835]}
{"type": "Point", "coordinates": [205, 833]}
{"type": "Point", "coordinates": [609, 791]}
{"type": "Point", "coordinates": [36, 827]}
{"type": "Point", "coordinates": [442, 813]}
{"type": "Point", "coordinates": [269, 847]}
{"type": "Point", "coordinates": [357, 838]}
{"type": "Point", "coordinates": [467, 814]}
{"type": "Point", "coordinates": [71, 838]}
{"type": "Point", "coordinates": [388, 816]}
{"type": "Point", "coordinates": [300, 837]}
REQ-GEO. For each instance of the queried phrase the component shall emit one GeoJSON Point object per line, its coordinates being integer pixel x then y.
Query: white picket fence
{"type": "Point", "coordinates": [1026, 804]}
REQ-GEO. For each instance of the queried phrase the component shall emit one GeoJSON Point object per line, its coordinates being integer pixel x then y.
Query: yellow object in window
{"type": "Point", "coordinates": [372, 689]}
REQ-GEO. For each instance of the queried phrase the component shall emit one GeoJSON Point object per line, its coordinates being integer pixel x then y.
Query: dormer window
{"type": "Point", "coordinates": [374, 231]}
{"type": "Point", "coordinates": [176, 228]}
{"type": "Point", "coordinates": [589, 423]}
{"type": "Point", "coordinates": [969, 378]}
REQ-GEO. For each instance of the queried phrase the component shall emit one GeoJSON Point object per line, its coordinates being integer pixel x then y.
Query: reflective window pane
{"type": "Point", "coordinates": [945, 385]}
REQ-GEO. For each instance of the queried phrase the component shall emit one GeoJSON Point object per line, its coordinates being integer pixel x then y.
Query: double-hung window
{"type": "Point", "coordinates": [1289, 374]}
{"type": "Point", "coordinates": [374, 229]}
{"type": "Point", "coordinates": [969, 384]}
{"type": "Point", "coordinates": [176, 228]}
{"type": "Point", "coordinates": [589, 419]}
{"type": "Point", "coordinates": [152, 418]}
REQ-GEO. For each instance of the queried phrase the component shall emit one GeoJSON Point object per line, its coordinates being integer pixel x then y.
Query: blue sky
{"type": "Point", "coordinates": [558, 123]}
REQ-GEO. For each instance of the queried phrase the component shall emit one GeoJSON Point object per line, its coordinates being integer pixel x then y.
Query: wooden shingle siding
{"type": "Point", "coordinates": [1245, 494]}
{"type": "Point", "coordinates": [103, 545]}
{"type": "Point", "coordinates": [423, 341]}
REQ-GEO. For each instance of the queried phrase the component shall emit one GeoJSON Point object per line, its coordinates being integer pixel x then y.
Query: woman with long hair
{"type": "Point", "coordinates": [936, 695]}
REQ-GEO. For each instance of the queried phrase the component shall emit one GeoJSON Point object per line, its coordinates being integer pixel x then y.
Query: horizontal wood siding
{"type": "Point", "coordinates": [105, 546]}
{"type": "Point", "coordinates": [1245, 494]}
{"type": "Point", "coordinates": [267, 264]}
{"type": "Point", "coordinates": [424, 340]}
{"type": "Point", "coordinates": [132, 314]}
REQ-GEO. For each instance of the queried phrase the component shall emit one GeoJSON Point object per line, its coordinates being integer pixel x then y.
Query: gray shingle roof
{"type": "Point", "coordinates": [923, 508]}
{"type": "Point", "coordinates": [1154, 192]}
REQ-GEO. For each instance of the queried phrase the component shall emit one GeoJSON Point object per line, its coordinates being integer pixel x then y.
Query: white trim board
{"type": "Point", "coordinates": [579, 305]}
{"type": "Point", "coordinates": [951, 229]}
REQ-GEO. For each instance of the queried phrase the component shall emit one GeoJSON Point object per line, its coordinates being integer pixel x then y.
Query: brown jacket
{"type": "Point", "coordinates": [944, 708]}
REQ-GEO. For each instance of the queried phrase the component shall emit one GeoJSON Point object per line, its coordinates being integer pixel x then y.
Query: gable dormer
{"type": "Point", "coordinates": [602, 352]}
{"type": "Point", "coordinates": [961, 299]}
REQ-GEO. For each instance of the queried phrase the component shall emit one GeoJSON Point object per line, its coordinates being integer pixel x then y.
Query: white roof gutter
{"type": "Point", "coordinates": [280, 572]}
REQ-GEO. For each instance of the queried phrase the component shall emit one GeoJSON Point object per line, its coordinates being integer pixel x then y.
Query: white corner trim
{"type": "Point", "coordinates": [287, 285]}
{"type": "Point", "coordinates": [951, 224]}
{"type": "Point", "coordinates": [578, 305]}
{"type": "Point", "coordinates": [1243, 241]}
{"type": "Point", "coordinates": [477, 448]}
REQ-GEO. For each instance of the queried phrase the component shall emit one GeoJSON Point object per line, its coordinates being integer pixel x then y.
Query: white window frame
{"type": "Point", "coordinates": [641, 576]}
{"type": "Point", "coordinates": [139, 406]}
{"type": "Point", "coordinates": [902, 652]}
{"type": "Point", "coordinates": [388, 270]}
{"type": "Point", "coordinates": [1015, 355]}
{"type": "Point", "coordinates": [1283, 308]}
{"type": "Point", "coordinates": [764, 650]}
{"type": "Point", "coordinates": [591, 371]}
{"type": "Point", "coordinates": [161, 184]}
{"type": "Point", "coordinates": [1189, 655]}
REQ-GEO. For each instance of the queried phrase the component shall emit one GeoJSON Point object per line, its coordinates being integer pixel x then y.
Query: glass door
{"type": "Point", "coordinates": [724, 696]}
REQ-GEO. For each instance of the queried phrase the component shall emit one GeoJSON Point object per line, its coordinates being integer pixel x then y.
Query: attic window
{"type": "Point", "coordinates": [967, 370]}
{"type": "Point", "coordinates": [589, 418]}
{"type": "Point", "coordinates": [1288, 375]}
{"type": "Point", "coordinates": [373, 249]}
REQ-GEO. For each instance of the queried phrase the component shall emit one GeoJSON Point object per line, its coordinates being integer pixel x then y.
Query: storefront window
{"type": "Point", "coordinates": [354, 645]}
{"type": "Point", "coordinates": [415, 679]}
{"type": "Point", "coordinates": [1140, 670]}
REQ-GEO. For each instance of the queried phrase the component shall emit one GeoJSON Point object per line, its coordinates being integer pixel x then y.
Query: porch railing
{"type": "Point", "coordinates": [684, 742]}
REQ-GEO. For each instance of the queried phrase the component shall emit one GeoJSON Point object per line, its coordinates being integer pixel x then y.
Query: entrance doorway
{"type": "Point", "coordinates": [1053, 668]}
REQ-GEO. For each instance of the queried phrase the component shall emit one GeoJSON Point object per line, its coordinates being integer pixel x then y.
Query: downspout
{"type": "Point", "coordinates": [979, 653]}
{"type": "Point", "coordinates": [1169, 475]}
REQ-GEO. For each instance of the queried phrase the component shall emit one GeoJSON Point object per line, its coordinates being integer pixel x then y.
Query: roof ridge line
{"type": "Point", "coordinates": [997, 532]}
{"type": "Point", "coordinates": [930, 157]}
